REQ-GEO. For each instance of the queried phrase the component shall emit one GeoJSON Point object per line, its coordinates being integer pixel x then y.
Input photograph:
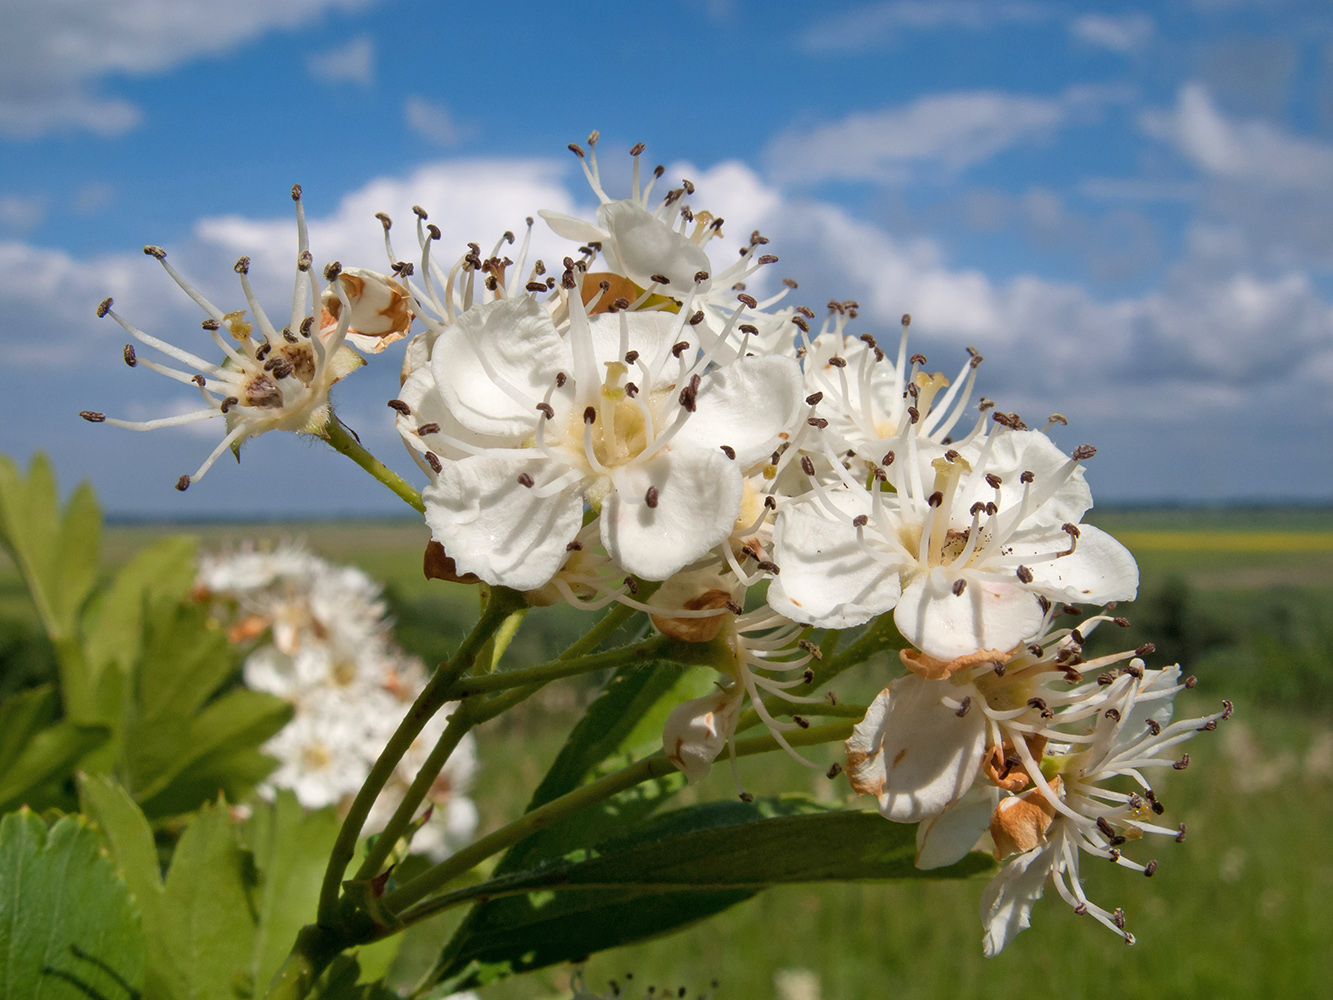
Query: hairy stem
{"type": "Point", "coordinates": [341, 439]}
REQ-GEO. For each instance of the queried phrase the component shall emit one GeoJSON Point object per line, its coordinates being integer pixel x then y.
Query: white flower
{"type": "Point", "coordinates": [1071, 812]}
{"type": "Point", "coordinates": [528, 420]}
{"type": "Point", "coordinates": [968, 549]}
{"type": "Point", "coordinates": [280, 379]}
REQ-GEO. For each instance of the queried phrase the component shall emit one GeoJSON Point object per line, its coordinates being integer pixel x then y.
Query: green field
{"type": "Point", "coordinates": [1244, 599]}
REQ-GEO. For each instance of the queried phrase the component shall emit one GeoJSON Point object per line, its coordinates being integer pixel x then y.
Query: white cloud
{"type": "Point", "coordinates": [350, 63]}
{"type": "Point", "coordinates": [54, 54]}
{"type": "Point", "coordinates": [19, 213]}
{"type": "Point", "coordinates": [1137, 189]}
{"type": "Point", "coordinates": [432, 120]}
{"type": "Point", "coordinates": [1250, 151]}
{"type": "Point", "coordinates": [1129, 33]}
{"type": "Point", "coordinates": [876, 24]}
{"type": "Point", "coordinates": [952, 131]}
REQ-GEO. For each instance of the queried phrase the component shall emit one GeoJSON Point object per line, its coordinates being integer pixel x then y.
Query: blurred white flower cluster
{"type": "Point", "coordinates": [317, 634]}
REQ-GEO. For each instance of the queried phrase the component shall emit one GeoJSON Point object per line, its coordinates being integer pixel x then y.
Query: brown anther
{"type": "Point", "coordinates": [935, 499]}
{"type": "Point", "coordinates": [771, 502]}
{"type": "Point", "coordinates": [560, 380]}
{"type": "Point", "coordinates": [811, 648]}
{"type": "Point", "coordinates": [431, 428]}
{"type": "Point", "coordinates": [860, 521]}
{"type": "Point", "coordinates": [198, 380]}
{"type": "Point", "coordinates": [525, 480]}
{"type": "Point", "coordinates": [733, 607]}
{"type": "Point", "coordinates": [1084, 452]}
{"type": "Point", "coordinates": [819, 422]}
{"type": "Point", "coordinates": [790, 282]}
{"type": "Point", "coordinates": [631, 390]}
{"type": "Point", "coordinates": [400, 406]}
{"type": "Point", "coordinates": [650, 497]}
{"type": "Point", "coordinates": [1071, 610]}
{"type": "Point", "coordinates": [307, 325]}
{"type": "Point", "coordinates": [547, 410]}
{"type": "Point", "coordinates": [104, 307]}
{"type": "Point", "coordinates": [1147, 649]}
{"type": "Point", "coordinates": [729, 451]}
{"type": "Point", "coordinates": [917, 359]}
{"type": "Point", "coordinates": [804, 325]}
{"type": "Point", "coordinates": [1045, 603]}
{"type": "Point", "coordinates": [801, 721]}
{"type": "Point", "coordinates": [959, 586]}
{"type": "Point", "coordinates": [577, 150]}
{"type": "Point", "coordinates": [157, 252]}
{"type": "Point", "coordinates": [632, 584]}
{"type": "Point", "coordinates": [1113, 713]}
{"type": "Point", "coordinates": [1024, 574]}
{"type": "Point", "coordinates": [746, 797]}
{"type": "Point", "coordinates": [768, 566]}
{"type": "Point", "coordinates": [1191, 681]}
{"type": "Point", "coordinates": [183, 483]}
{"type": "Point", "coordinates": [385, 221]}
{"type": "Point", "coordinates": [700, 277]}
{"type": "Point", "coordinates": [332, 270]}
{"type": "Point", "coordinates": [1154, 727]}
{"type": "Point", "coordinates": [1228, 709]}
{"type": "Point", "coordinates": [1077, 636]}
{"type": "Point", "coordinates": [767, 258]}
{"type": "Point", "coordinates": [242, 265]}
{"type": "Point", "coordinates": [964, 706]}
{"type": "Point", "coordinates": [887, 460]}
{"type": "Point", "coordinates": [636, 149]}
{"type": "Point", "coordinates": [748, 300]}
{"type": "Point", "coordinates": [834, 770]}
{"type": "Point", "coordinates": [913, 414]}
{"type": "Point", "coordinates": [679, 347]}
{"type": "Point", "coordinates": [1027, 477]}
{"type": "Point", "coordinates": [1180, 837]}
{"type": "Point", "coordinates": [433, 460]}
{"type": "Point", "coordinates": [590, 415]}
{"type": "Point", "coordinates": [697, 318]}
{"type": "Point", "coordinates": [1105, 679]}
{"type": "Point", "coordinates": [574, 546]}
{"type": "Point", "coordinates": [807, 466]}
{"type": "Point", "coordinates": [92, 416]}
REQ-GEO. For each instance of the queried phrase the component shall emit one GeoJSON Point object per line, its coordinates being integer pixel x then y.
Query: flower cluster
{"type": "Point", "coordinates": [645, 422]}
{"type": "Point", "coordinates": [317, 635]}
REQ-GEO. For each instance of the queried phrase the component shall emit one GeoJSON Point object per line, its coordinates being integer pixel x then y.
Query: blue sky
{"type": "Point", "coordinates": [1126, 208]}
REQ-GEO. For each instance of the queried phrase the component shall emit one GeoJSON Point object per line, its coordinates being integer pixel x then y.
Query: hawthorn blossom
{"type": "Point", "coordinates": [1071, 811]}
{"type": "Point", "coordinates": [969, 548]}
{"type": "Point", "coordinates": [270, 379]}
{"type": "Point", "coordinates": [528, 420]}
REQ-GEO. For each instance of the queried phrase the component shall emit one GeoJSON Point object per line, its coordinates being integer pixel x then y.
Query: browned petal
{"type": "Point", "coordinates": [696, 629]}
{"type": "Point", "coordinates": [621, 288]}
{"type": "Point", "coordinates": [931, 669]}
{"type": "Point", "coordinates": [1011, 779]}
{"type": "Point", "coordinates": [247, 628]}
{"type": "Point", "coordinates": [1020, 824]}
{"type": "Point", "coordinates": [439, 566]}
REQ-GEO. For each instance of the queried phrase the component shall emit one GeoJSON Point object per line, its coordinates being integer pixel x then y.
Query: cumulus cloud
{"type": "Point", "coordinates": [952, 131]}
{"type": "Point", "coordinates": [432, 120]}
{"type": "Point", "coordinates": [1128, 34]}
{"type": "Point", "coordinates": [1253, 151]}
{"type": "Point", "coordinates": [350, 63]}
{"type": "Point", "coordinates": [876, 24]}
{"type": "Point", "coordinates": [19, 213]}
{"type": "Point", "coordinates": [1154, 377]}
{"type": "Point", "coordinates": [54, 54]}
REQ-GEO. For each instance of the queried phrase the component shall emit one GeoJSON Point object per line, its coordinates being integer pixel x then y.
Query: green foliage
{"type": "Point", "coordinates": [68, 927]}
{"type": "Point", "coordinates": [682, 867]}
{"type": "Point", "coordinates": [146, 679]}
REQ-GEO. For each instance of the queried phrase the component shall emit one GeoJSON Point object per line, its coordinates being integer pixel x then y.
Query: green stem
{"type": "Point", "coordinates": [315, 948]}
{"type": "Point", "coordinates": [543, 816]}
{"type": "Point", "coordinates": [416, 793]}
{"type": "Point", "coordinates": [557, 669]}
{"type": "Point", "coordinates": [342, 440]}
{"type": "Point", "coordinates": [502, 602]}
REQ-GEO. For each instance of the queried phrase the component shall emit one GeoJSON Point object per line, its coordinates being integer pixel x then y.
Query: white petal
{"type": "Point", "coordinates": [1006, 903]}
{"type": "Point", "coordinates": [698, 498]}
{"type": "Point", "coordinates": [696, 731]}
{"type": "Point", "coordinates": [827, 578]}
{"type": "Point", "coordinates": [571, 228]}
{"type": "Point", "coordinates": [650, 333]}
{"type": "Point", "coordinates": [750, 406]}
{"type": "Point", "coordinates": [914, 753]}
{"type": "Point", "coordinates": [987, 615]}
{"type": "Point", "coordinates": [644, 246]}
{"type": "Point", "coordinates": [946, 839]}
{"type": "Point", "coordinates": [516, 339]}
{"type": "Point", "coordinates": [1099, 570]}
{"type": "Point", "coordinates": [493, 526]}
{"type": "Point", "coordinates": [1011, 454]}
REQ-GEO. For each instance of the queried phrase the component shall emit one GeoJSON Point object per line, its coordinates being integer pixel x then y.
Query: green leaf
{"type": "Point", "coordinates": [681, 867]}
{"type": "Point", "coordinates": [68, 928]}
{"type": "Point", "coordinates": [57, 557]}
{"type": "Point", "coordinates": [129, 841]}
{"type": "Point", "coordinates": [48, 756]}
{"type": "Point", "coordinates": [21, 716]}
{"type": "Point", "coordinates": [210, 928]}
{"type": "Point", "coordinates": [291, 848]}
{"type": "Point", "coordinates": [182, 662]}
{"type": "Point", "coordinates": [113, 627]}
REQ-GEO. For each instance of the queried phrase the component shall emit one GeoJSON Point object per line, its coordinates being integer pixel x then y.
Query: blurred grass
{"type": "Point", "coordinates": [1243, 599]}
